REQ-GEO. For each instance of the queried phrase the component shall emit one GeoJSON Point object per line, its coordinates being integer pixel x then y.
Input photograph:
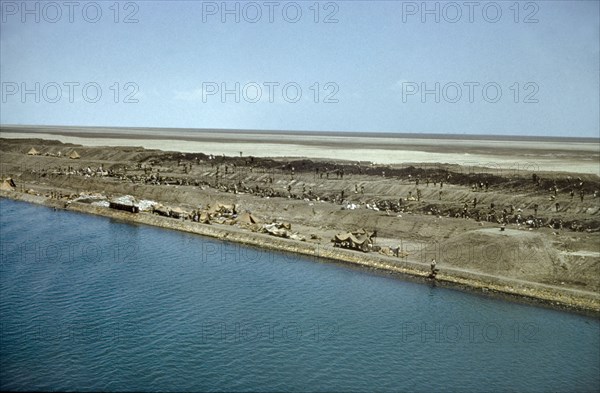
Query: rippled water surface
{"type": "Point", "coordinates": [89, 303]}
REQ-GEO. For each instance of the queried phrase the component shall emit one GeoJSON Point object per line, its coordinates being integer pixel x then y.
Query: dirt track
{"type": "Point", "coordinates": [440, 226]}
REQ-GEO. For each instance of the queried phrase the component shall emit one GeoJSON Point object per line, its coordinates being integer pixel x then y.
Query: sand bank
{"type": "Point", "coordinates": [560, 156]}
{"type": "Point", "coordinates": [511, 289]}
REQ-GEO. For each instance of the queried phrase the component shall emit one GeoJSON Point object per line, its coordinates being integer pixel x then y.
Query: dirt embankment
{"type": "Point", "coordinates": [555, 248]}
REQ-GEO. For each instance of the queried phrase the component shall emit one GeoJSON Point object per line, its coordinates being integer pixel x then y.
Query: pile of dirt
{"type": "Point", "coordinates": [522, 254]}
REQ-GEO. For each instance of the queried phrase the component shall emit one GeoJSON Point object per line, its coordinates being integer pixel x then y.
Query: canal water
{"type": "Point", "coordinates": [90, 303]}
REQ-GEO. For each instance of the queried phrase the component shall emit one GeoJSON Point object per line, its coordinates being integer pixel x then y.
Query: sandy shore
{"type": "Point", "coordinates": [487, 285]}
{"type": "Point", "coordinates": [554, 261]}
{"type": "Point", "coordinates": [567, 155]}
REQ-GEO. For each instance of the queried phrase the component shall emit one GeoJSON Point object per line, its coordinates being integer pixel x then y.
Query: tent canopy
{"type": "Point", "coordinates": [124, 200]}
{"type": "Point", "coordinates": [33, 152]}
{"type": "Point", "coordinates": [359, 237]}
{"type": "Point", "coordinates": [8, 185]}
{"type": "Point", "coordinates": [276, 229]}
{"type": "Point", "coordinates": [247, 218]}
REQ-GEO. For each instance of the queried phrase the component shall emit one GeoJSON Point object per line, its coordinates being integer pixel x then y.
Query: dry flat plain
{"type": "Point", "coordinates": [453, 213]}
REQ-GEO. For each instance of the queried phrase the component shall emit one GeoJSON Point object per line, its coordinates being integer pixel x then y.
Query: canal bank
{"type": "Point", "coordinates": [488, 285]}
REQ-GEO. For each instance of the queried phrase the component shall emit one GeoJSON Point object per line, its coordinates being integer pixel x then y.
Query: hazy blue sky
{"type": "Point", "coordinates": [370, 65]}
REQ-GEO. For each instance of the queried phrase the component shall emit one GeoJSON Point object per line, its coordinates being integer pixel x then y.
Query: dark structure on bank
{"type": "Point", "coordinates": [126, 203]}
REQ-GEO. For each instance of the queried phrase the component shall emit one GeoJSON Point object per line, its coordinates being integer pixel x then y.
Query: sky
{"type": "Point", "coordinates": [479, 67]}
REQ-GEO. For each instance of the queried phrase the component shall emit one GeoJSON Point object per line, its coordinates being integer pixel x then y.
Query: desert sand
{"type": "Point", "coordinates": [428, 210]}
{"type": "Point", "coordinates": [501, 154]}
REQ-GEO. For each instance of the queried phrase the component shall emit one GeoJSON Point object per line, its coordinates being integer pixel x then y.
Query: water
{"type": "Point", "coordinates": [90, 303]}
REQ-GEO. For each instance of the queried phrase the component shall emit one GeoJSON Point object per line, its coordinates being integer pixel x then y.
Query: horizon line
{"type": "Point", "coordinates": [376, 134]}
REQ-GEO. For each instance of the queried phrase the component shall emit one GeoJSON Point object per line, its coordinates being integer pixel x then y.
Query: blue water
{"type": "Point", "coordinates": [90, 303]}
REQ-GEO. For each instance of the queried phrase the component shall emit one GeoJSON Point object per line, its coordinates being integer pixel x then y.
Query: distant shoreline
{"type": "Point", "coordinates": [535, 156]}
{"type": "Point", "coordinates": [113, 132]}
